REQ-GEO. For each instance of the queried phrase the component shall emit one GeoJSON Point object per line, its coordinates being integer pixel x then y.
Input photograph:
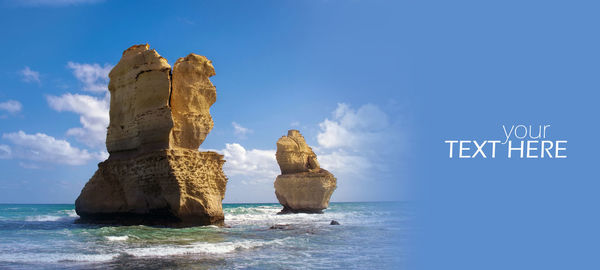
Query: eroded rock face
{"type": "Point", "coordinates": [175, 187]}
{"type": "Point", "coordinates": [140, 117]}
{"type": "Point", "coordinates": [191, 98]}
{"type": "Point", "coordinates": [158, 118]}
{"type": "Point", "coordinates": [303, 185]}
{"type": "Point", "coordinates": [294, 155]}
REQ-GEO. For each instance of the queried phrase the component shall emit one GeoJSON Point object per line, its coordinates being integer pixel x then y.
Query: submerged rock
{"type": "Point", "coordinates": [158, 119]}
{"type": "Point", "coordinates": [333, 222]}
{"type": "Point", "coordinates": [302, 187]}
{"type": "Point", "coordinates": [281, 227]}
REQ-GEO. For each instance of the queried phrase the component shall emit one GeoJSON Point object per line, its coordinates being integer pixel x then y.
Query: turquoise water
{"type": "Point", "coordinates": [371, 236]}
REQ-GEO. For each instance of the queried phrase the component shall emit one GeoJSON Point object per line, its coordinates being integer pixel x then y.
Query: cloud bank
{"type": "Point", "coordinates": [353, 129]}
{"type": "Point", "coordinates": [255, 166]}
{"type": "Point", "coordinates": [93, 116]}
{"type": "Point", "coordinates": [41, 147]}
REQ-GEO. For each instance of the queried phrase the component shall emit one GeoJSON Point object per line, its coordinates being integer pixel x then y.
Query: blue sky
{"type": "Point", "coordinates": [337, 71]}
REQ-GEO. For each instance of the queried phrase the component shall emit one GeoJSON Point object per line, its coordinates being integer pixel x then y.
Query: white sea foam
{"type": "Point", "coordinates": [62, 215]}
{"type": "Point", "coordinates": [56, 257]}
{"type": "Point", "coordinates": [43, 218]}
{"type": "Point", "coordinates": [70, 213]}
{"type": "Point", "coordinates": [199, 248]}
{"type": "Point", "coordinates": [117, 238]}
{"type": "Point", "coordinates": [267, 216]}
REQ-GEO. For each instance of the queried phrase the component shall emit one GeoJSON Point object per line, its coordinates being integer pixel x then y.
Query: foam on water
{"type": "Point", "coordinates": [267, 215]}
{"type": "Point", "coordinates": [199, 248]}
{"type": "Point", "coordinates": [56, 257]}
{"type": "Point", "coordinates": [70, 213]}
{"type": "Point", "coordinates": [43, 218]}
{"type": "Point", "coordinates": [62, 215]}
{"type": "Point", "coordinates": [117, 238]}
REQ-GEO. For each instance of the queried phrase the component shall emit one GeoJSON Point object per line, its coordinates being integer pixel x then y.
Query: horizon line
{"type": "Point", "coordinates": [388, 201]}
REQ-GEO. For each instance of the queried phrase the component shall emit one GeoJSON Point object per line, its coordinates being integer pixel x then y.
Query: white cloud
{"type": "Point", "coordinates": [93, 76]}
{"type": "Point", "coordinates": [11, 106]}
{"type": "Point", "coordinates": [357, 143]}
{"type": "Point", "coordinates": [44, 148]}
{"type": "Point", "coordinates": [5, 152]}
{"type": "Point", "coordinates": [239, 130]}
{"type": "Point", "coordinates": [30, 75]}
{"type": "Point", "coordinates": [341, 162]}
{"type": "Point", "coordinates": [353, 142]}
{"type": "Point", "coordinates": [362, 147]}
{"type": "Point", "coordinates": [55, 3]}
{"type": "Point", "coordinates": [250, 166]}
{"type": "Point", "coordinates": [354, 129]}
{"type": "Point", "coordinates": [93, 116]}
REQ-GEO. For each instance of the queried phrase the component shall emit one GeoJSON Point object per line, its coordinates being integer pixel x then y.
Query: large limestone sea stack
{"type": "Point", "coordinates": [303, 186]}
{"type": "Point", "coordinates": [158, 118]}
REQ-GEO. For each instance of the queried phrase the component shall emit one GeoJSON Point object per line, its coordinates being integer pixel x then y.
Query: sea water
{"type": "Point", "coordinates": [370, 236]}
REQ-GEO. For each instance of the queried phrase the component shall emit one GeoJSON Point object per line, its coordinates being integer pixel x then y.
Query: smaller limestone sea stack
{"type": "Point", "coordinates": [303, 186]}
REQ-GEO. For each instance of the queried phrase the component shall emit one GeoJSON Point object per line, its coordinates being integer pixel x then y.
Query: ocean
{"type": "Point", "coordinates": [370, 236]}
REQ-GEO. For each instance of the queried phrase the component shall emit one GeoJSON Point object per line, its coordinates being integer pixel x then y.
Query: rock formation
{"type": "Point", "coordinates": [158, 118]}
{"type": "Point", "coordinates": [303, 185]}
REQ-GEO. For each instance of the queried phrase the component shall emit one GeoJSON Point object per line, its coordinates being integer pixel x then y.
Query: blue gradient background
{"type": "Point", "coordinates": [476, 67]}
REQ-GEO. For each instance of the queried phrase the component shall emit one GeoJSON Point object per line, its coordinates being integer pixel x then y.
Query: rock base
{"type": "Point", "coordinates": [305, 192]}
{"type": "Point", "coordinates": [175, 187]}
{"type": "Point", "coordinates": [287, 210]}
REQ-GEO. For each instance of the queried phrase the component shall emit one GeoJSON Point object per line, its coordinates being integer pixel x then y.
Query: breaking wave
{"type": "Point", "coordinates": [117, 238]}
{"type": "Point", "coordinates": [56, 257]}
{"type": "Point", "coordinates": [62, 215]}
{"type": "Point", "coordinates": [200, 248]}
